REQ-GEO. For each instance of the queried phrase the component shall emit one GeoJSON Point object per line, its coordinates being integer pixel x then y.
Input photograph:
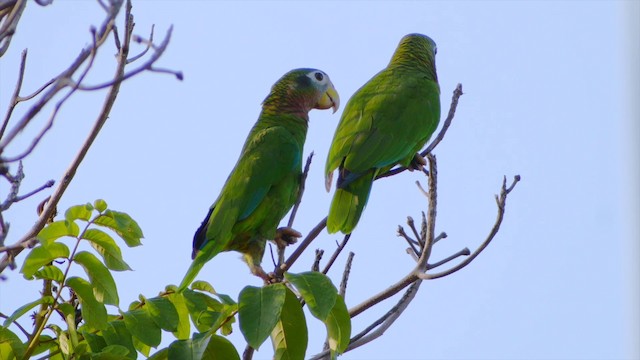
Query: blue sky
{"type": "Point", "coordinates": [548, 93]}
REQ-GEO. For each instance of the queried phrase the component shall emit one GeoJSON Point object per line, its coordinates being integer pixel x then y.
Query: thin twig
{"type": "Point", "coordinates": [501, 203]}
{"type": "Point", "coordinates": [337, 252]}
{"type": "Point", "coordinates": [345, 274]}
{"type": "Point", "coordinates": [16, 92]}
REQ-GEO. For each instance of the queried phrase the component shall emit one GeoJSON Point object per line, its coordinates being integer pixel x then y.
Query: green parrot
{"type": "Point", "coordinates": [264, 183]}
{"type": "Point", "coordinates": [384, 124]}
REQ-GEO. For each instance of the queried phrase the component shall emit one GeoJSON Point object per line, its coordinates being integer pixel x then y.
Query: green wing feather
{"type": "Point", "coordinates": [384, 123]}
{"type": "Point", "coordinates": [247, 202]}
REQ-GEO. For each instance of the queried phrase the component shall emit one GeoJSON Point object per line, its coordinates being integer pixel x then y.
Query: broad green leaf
{"type": "Point", "coordinates": [204, 309]}
{"type": "Point", "coordinates": [93, 312]}
{"type": "Point", "coordinates": [259, 312]}
{"type": "Point", "coordinates": [338, 328]}
{"type": "Point", "coordinates": [290, 337]}
{"type": "Point", "coordinates": [10, 345]}
{"type": "Point", "coordinates": [56, 230]}
{"type": "Point", "coordinates": [42, 255]}
{"type": "Point", "coordinates": [25, 308]}
{"type": "Point", "coordinates": [184, 325]}
{"type": "Point", "coordinates": [50, 272]}
{"type": "Point", "coordinates": [82, 212]}
{"type": "Point", "coordinates": [107, 248]}
{"type": "Point", "coordinates": [64, 343]}
{"type": "Point", "coordinates": [220, 348]}
{"type": "Point", "coordinates": [104, 287]}
{"type": "Point", "coordinates": [81, 349]}
{"type": "Point", "coordinates": [100, 205]}
{"type": "Point", "coordinates": [203, 286]}
{"type": "Point", "coordinates": [317, 291]}
{"type": "Point", "coordinates": [123, 225]}
{"type": "Point", "coordinates": [141, 326]}
{"type": "Point", "coordinates": [114, 352]}
{"type": "Point", "coordinates": [45, 342]}
{"type": "Point", "coordinates": [160, 355]}
{"type": "Point", "coordinates": [116, 333]}
{"type": "Point", "coordinates": [142, 348]}
{"type": "Point", "coordinates": [95, 341]}
{"type": "Point", "coordinates": [190, 349]}
{"type": "Point", "coordinates": [163, 313]}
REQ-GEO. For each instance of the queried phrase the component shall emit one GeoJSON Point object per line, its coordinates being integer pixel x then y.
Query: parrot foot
{"type": "Point", "coordinates": [286, 236]}
{"type": "Point", "coordinates": [417, 163]}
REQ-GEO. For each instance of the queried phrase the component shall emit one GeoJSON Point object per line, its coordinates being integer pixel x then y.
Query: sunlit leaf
{"type": "Point", "coordinates": [26, 308]}
{"type": "Point", "coordinates": [56, 230]}
{"type": "Point", "coordinates": [42, 255]}
{"type": "Point", "coordinates": [104, 287]}
{"type": "Point", "coordinates": [338, 328]}
{"type": "Point", "coordinates": [107, 248]}
{"type": "Point", "coordinates": [94, 313]}
{"type": "Point", "coordinates": [82, 212]}
{"type": "Point", "coordinates": [317, 291]}
{"type": "Point", "coordinates": [289, 337]}
{"type": "Point", "coordinates": [259, 312]}
{"type": "Point", "coordinates": [184, 325]}
{"type": "Point", "coordinates": [10, 345]}
{"type": "Point", "coordinates": [50, 272]}
{"type": "Point", "coordinates": [123, 225]}
{"type": "Point", "coordinates": [100, 205]}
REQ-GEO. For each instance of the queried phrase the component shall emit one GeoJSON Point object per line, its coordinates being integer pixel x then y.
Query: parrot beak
{"type": "Point", "coordinates": [330, 99]}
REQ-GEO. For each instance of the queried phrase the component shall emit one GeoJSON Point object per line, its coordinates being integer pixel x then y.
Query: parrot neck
{"type": "Point", "coordinates": [296, 124]}
{"type": "Point", "coordinates": [409, 58]}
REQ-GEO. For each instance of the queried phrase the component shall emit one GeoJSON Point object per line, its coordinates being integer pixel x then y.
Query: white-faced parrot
{"type": "Point", "coordinates": [385, 123]}
{"type": "Point", "coordinates": [263, 185]}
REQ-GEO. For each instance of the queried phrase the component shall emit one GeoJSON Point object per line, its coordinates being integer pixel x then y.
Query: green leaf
{"type": "Point", "coordinates": [259, 312]}
{"type": "Point", "coordinates": [107, 248]}
{"type": "Point", "coordinates": [56, 230]}
{"type": "Point", "coordinates": [10, 345]}
{"type": "Point", "coordinates": [93, 312]}
{"type": "Point", "coordinates": [338, 328]}
{"type": "Point", "coordinates": [160, 355]}
{"type": "Point", "coordinates": [140, 325]}
{"type": "Point", "coordinates": [123, 225]}
{"type": "Point", "coordinates": [141, 347]}
{"type": "Point", "coordinates": [25, 308]}
{"type": "Point", "coordinates": [290, 337]}
{"type": "Point", "coordinates": [220, 348]}
{"type": "Point", "coordinates": [45, 342]}
{"type": "Point", "coordinates": [203, 286]}
{"type": "Point", "coordinates": [104, 287]}
{"type": "Point", "coordinates": [204, 309]}
{"type": "Point", "coordinates": [163, 313]}
{"type": "Point", "coordinates": [41, 256]}
{"type": "Point", "coordinates": [50, 272]}
{"type": "Point", "coordinates": [116, 333]}
{"type": "Point", "coordinates": [82, 212]}
{"type": "Point", "coordinates": [114, 352]}
{"type": "Point", "coordinates": [184, 325]}
{"type": "Point", "coordinates": [100, 205]}
{"type": "Point", "coordinates": [190, 349]}
{"type": "Point", "coordinates": [317, 291]}
{"type": "Point", "coordinates": [95, 341]}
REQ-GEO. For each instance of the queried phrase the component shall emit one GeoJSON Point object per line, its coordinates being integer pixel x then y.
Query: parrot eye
{"type": "Point", "coordinates": [319, 76]}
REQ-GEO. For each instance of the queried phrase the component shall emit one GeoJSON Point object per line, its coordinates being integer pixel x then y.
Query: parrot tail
{"type": "Point", "coordinates": [348, 203]}
{"type": "Point", "coordinates": [191, 274]}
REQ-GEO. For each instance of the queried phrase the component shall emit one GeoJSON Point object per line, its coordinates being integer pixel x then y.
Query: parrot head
{"type": "Point", "coordinates": [303, 90]}
{"type": "Point", "coordinates": [416, 50]}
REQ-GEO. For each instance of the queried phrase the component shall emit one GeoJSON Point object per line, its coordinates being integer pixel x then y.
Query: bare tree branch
{"type": "Point", "coordinates": [61, 82]}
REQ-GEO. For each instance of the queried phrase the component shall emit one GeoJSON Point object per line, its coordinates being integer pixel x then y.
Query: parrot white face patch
{"type": "Point", "coordinates": [319, 77]}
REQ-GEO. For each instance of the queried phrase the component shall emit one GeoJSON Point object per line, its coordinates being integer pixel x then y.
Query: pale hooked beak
{"type": "Point", "coordinates": [330, 99]}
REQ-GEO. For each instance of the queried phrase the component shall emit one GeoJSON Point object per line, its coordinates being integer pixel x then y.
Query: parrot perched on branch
{"type": "Point", "coordinates": [384, 124]}
{"type": "Point", "coordinates": [264, 183]}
